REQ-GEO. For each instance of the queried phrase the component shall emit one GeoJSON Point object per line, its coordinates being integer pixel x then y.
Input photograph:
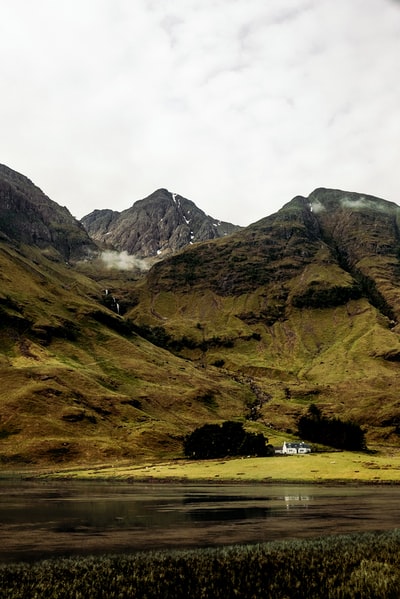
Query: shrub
{"type": "Point", "coordinates": [219, 363]}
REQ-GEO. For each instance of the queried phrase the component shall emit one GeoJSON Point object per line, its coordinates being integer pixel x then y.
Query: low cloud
{"type": "Point", "coordinates": [355, 204]}
{"type": "Point", "coordinates": [363, 203]}
{"type": "Point", "coordinates": [123, 261]}
{"type": "Point", "coordinates": [317, 207]}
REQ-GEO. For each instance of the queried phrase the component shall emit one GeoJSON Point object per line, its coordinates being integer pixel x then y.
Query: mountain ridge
{"type": "Point", "coordinates": [27, 215]}
{"type": "Point", "coordinates": [306, 302]}
{"type": "Point", "coordinates": [300, 307]}
{"type": "Point", "coordinates": [157, 225]}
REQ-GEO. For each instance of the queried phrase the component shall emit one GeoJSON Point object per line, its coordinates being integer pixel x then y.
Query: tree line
{"type": "Point", "coordinates": [334, 432]}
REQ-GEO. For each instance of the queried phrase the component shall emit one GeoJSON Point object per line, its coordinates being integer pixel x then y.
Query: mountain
{"type": "Point", "coordinates": [100, 365]}
{"type": "Point", "coordinates": [162, 223]}
{"type": "Point", "coordinates": [79, 384]}
{"type": "Point", "coordinates": [28, 216]}
{"type": "Point", "coordinates": [304, 303]}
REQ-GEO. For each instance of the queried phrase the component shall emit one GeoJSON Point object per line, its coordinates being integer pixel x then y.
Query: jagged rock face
{"type": "Point", "coordinates": [160, 224]}
{"type": "Point", "coordinates": [28, 216]}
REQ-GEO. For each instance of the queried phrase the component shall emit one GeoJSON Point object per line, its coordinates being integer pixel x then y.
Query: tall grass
{"type": "Point", "coordinates": [365, 566]}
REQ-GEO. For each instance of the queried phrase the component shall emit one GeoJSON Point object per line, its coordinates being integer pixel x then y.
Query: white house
{"type": "Point", "coordinates": [295, 448]}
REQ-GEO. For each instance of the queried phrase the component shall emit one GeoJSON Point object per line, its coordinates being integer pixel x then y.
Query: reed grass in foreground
{"type": "Point", "coordinates": [363, 566]}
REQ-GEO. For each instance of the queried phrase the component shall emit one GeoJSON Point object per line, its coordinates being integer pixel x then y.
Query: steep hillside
{"type": "Point", "coordinates": [304, 304]}
{"type": "Point", "coordinates": [79, 385]}
{"type": "Point", "coordinates": [28, 216]}
{"type": "Point", "coordinates": [99, 365]}
{"type": "Point", "coordinates": [156, 226]}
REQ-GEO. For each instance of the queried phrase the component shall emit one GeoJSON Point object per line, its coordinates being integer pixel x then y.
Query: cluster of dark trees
{"type": "Point", "coordinates": [228, 439]}
{"type": "Point", "coordinates": [334, 432]}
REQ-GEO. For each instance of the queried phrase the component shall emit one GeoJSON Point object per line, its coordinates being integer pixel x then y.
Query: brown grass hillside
{"type": "Point", "coordinates": [301, 307]}
{"type": "Point", "coordinates": [304, 304]}
{"type": "Point", "coordinates": [78, 384]}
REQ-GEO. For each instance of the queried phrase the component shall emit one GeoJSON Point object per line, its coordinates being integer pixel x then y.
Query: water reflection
{"type": "Point", "coordinates": [40, 519]}
{"type": "Point", "coordinates": [207, 507]}
{"type": "Point", "coordinates": [296, 501]}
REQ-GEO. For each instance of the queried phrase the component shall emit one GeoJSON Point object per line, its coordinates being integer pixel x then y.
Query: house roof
{"type": "Point", "coordinates": [296, 445]}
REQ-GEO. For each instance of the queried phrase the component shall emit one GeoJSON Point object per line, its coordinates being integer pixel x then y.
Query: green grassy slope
{"type": "Point", "coordinates": [300, 307]}
{"type": "Point", "coordinates": [302, 304]}
{"type": "Point", "coordinates": [78, 385]}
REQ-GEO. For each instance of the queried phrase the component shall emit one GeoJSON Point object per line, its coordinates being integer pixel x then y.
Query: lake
{"type": "Point", "coordinates": [42, 519]}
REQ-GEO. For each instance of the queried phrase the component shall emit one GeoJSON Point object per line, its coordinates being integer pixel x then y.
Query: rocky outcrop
{"type": "Point", "coordinates": [28, 216]}
{"type": "Point", "coordinates": [160, 224]}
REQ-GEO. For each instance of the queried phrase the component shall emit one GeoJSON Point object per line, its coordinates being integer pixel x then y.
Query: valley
{"type": "Point", "coordinates": [254, 326]}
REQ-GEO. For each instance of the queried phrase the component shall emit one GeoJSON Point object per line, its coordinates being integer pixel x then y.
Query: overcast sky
{"type": "Point", "coordinates": [238, 105]}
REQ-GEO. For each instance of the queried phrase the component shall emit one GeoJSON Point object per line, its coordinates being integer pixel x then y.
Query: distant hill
{"type": "Point", "coordinates": [158, 225]}
{"type": "Point", "coordinates": [28, 216]}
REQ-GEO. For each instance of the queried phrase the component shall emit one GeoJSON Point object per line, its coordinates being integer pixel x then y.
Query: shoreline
{"type": "Point", "coordinates": [205, 481]}
{"type": "Point", "coordinates": [317, 468]}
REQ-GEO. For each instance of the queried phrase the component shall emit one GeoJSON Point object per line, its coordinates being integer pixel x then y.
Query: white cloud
{"type": "Point", "coordinates": [123, 261]}
{"type": "Point", "coordinates": [237, 104]}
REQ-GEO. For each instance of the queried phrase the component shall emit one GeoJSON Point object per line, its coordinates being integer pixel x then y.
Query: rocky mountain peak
{"type": "Point", "coordinates": [159, 224]}
{"type": "Point", "coordinates": [28, 216]}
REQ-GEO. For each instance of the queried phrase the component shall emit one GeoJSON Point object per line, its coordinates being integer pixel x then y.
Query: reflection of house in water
{"type": "Point", "coordinates": [296, 501]}
{"type": "Point", "coordinates": [295, 448]}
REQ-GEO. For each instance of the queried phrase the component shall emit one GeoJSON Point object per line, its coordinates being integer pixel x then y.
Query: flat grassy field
{"type": "Point", "coordinates": [371, 467]}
